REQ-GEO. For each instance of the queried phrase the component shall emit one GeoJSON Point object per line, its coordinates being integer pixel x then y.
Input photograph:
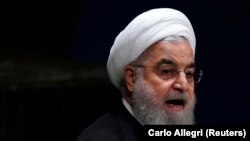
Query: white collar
{"type": "Point", "coordinates": [127, 106]}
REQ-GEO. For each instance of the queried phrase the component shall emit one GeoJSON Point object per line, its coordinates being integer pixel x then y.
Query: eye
{"type": "Point", "coordinates": [167, 71]}
{"type": "Point", "coordinates": [190, 73]}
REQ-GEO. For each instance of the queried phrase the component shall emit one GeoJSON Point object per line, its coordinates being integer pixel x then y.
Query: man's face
{"type": "Point", "coordinates": [161, 98]}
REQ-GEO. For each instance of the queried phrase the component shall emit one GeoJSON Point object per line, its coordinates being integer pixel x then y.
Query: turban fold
{"type": "Point", "coordinates": [143, 31]}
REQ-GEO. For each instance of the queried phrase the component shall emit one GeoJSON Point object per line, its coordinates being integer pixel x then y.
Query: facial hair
{"type": "Point", "coordinates": [149, 110]}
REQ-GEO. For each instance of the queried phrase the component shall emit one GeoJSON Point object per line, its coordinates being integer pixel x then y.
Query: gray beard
{"type": "Point", "coordinates": [150, 111]}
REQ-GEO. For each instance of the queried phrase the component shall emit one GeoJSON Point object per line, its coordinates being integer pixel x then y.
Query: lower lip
{"type": "Point", "coordinates": [174, 108]}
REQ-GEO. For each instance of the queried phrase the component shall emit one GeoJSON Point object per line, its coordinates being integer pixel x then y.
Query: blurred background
{"type": "Point", "coordinates": [53, 80]}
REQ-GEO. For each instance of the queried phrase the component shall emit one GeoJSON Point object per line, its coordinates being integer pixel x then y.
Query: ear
{"type": "Point", "coordinates": [129, 77]}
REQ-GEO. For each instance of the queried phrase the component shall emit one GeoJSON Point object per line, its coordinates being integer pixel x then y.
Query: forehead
{"type": "Point", "coordinates": [178, 52]}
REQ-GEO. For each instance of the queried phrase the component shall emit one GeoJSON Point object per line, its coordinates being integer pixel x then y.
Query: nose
{"type": "Point", "coordinates": [181, 83]}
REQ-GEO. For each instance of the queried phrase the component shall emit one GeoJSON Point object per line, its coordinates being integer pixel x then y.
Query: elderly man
{"type": "Point", "coordinates": [152, 63]}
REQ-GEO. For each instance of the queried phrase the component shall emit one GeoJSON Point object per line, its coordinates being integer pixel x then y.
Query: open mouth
{"type": "Point", "coordinates": [175, 104]}
{"type": "Point", "coordinates": [179, 102]}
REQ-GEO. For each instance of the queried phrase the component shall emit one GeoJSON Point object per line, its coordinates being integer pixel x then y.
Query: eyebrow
{"type": "Point", "coordinates": [192, 65]}
{"type": "Point", "coordinates": [170, 62]}
{"type": "Point", "coordinates": [165, 61]}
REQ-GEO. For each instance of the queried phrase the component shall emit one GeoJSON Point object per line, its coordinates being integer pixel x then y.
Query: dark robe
{"type": "Point", "coordinates": [118, 125]}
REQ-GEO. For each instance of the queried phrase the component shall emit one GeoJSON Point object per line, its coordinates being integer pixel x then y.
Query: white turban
{"type": "Point", "coordinates": [143, 31]}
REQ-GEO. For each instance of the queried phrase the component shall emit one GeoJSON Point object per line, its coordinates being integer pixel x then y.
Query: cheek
{"type": "Point", "coordinates": [161, 88]}
{"type": "Point", "coordinates": [191, 92]}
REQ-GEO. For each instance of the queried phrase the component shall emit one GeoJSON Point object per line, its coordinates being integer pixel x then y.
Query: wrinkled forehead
{"type": "Point", "coordinates": [180, 53]}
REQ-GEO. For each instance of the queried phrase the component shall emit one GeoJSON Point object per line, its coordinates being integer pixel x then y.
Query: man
{"type": "Point", "coordinates": [152, 63]}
